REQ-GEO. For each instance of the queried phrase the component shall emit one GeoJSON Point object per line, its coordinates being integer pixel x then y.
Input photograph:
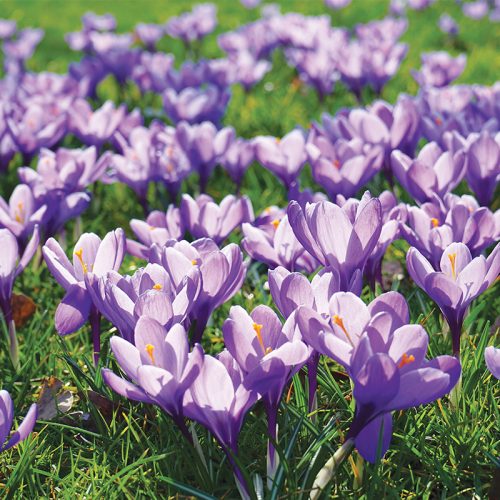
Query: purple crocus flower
{"type": "Point", "coordinates": [277, 248]}
{"type": "Point", "coordinates": [260, 344]}
{"type": "Point", "coordinates": [204, 146]}
{"type": "Point", "coordinates": [237, 158]}
{"type": "Point", "coordinates": [283, 157]}
{"type": "Point", "coordinates": [475, 10]}
{"type": "Point", "coordinates": [492, 358]}
{"type": "Point", "coordinates": [439, 69]}
{"type": "Point", "coordinates": [149, 292]}
{"type": "Point", "coordinates": [223, 272]}
{"type": "Point", "coordinates": [90, 255]}
{"type": "Point", "coordinates": [219, 400]}
{"type": "Point", "coordinates": [159, 227]}
{"type": "Point", "coordinates": [149, 34]}
{"type": "Point", "coordinates": [152, 71]}
{"type": "Point", "coordinates": [392, 377]}
{"type": "Point", "coordinates": [95, 127]}
{"type": "Point", "coordinates": [338, 237]}
{"type": "Point", "coordinates": [206, 219]}
{"type": "Point", "coordinates": [7, 418]}
{"type": "Point", "coordinates": [459, 280]}
{"type": "Point", "coordinates": [194, 25]}
{"type": "Point", "coordinates": [11, 266]}
{"type": "Point", "coordinates": [196, 105]}
{"type": "Point", "coordinates": [21, 214]}
{"type": "Point", "coordinates": [248, 70]}
{"type": "Point", "coordinates": [98, 22]}
{"type": "Point", "coordinates": [433, 171]}
{"type": "Point", "coordinates": [292, 290]}
{"type": "Point", "coordinates": [159, 368]}
{"type": "Point", "coordinates": [448, 25]}
{"type": "Point", "coordinates": [482, 171]}
{"type": "Point", "coordinates": [337, 4]}
{"type": "Point", "coordinates": [433, 226]}
{"type": "Point", "coordinates": [8, 28]}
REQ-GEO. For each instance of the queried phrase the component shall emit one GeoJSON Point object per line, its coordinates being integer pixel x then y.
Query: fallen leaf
{"type": "Point", "coordinates": [23, 309]}
{"type": "Point", "coordinates": [53, 401]}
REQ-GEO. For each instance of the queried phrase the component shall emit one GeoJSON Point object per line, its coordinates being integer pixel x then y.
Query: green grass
{"type": "Point", "coordinates": [111, 448]}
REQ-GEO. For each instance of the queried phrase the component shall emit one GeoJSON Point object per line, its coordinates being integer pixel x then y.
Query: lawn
{"type": "Point", "coordinates": [105, 446]}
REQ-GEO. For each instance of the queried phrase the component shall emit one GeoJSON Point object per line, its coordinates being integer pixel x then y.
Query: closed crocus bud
{"type": "Point", "coordinates": [492, 358]}
{"type": "Point", "coordinates": [439, 69]}
{"type": "Point", "coordinates": [237, 158]}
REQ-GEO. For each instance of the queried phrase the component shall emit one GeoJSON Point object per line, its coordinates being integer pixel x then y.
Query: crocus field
{"type": "Point", "coordinates": [249, 249]}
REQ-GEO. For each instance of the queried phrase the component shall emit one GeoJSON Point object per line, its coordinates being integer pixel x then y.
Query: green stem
{"type": "Point", "coordinates": [13, 344]}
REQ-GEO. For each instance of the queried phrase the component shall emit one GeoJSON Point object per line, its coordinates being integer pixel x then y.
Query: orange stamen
{"type": "Point", "coordinates": [405, 360]}
{"type": "Point", "coordinates": [453, 257]}
{"type": "Point", "coordinates": [435, 222]}
{"type": "Point", "coordinates": [157, 287]}
{"type": "Point", "coordinates": [340, 322]}
{"type": "Point", "coordinates": [79, 256]}
{"type": "Point", "coordinates": [258, 332]}
{"type": "Point", "coordinates": [275, 223]}
{"type": "Point", "coordinates": [336, 163]}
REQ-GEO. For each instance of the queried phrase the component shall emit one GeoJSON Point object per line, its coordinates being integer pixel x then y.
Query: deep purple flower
{"type": "Point", "coordinates": [90, 255]}
{"type": "Point", "coordinates": [283, 157]}
{"type": "Point", "coordinates": [392, 377]}
{"type": "Point", "coordinates": [204, 146]}
{"type": "Point", "coordinates": [7, 418]}
{"type": "Point", "coordinates": [492, 358]}
{"type": "Point", "coordinates": [439, 69]}
{"type": "Point", "coordinates": [159, 368]}
{"type": "Point", "coordinates": [206, 219]}
{"type": "Point", "coordinates": [223, 272]}
{"type": "Point", "coordinates": [338, 237]}
{"type": "Point", "coordinates": [149, 292]}
{"type": "Point", "coordinates": [11, 266]}
{"type": "Point", "coordinates": [457, 282]}
{"type": "Point", "coordinates": [159, 227]}
{"type": "Point", "coordinates": [433, 171]}
{"type": "Point", "coordinates": [237, 158]}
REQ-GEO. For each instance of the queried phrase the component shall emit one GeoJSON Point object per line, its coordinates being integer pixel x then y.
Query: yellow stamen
{"type": "Point", "coordinates": [405, 360]}
{"type": "Point", "coordinates": [268, 350]}
{"type": "Point", "coordinates": [194, 262]}
{"type": "Point", "coordinates": [157, 287]}
{"type": "Point", "coordinates": [267, 210]}
{"type": "Point", "coordinates": [336, 163]}
{"type": "Point", "coordinates": [438, 121]}
{"type": "Point", "coordinates": [275, 223]}
{"type": "Point", "coordinates": [278, 140]}
{"type": "Point", "coordinates": [258, 332]}
{"type": "Point", "coordinates": [435, 222]}
{"type": "Point", "coordinates": [20, 213]}
{"type": "Point", "coordinates": [340, 322]}
{"type": "Point", "coordinates": [453, 257]}
{"type": "Point", "coordinates": [79, 255]}
{"type": "Point", "coordinates": [150, 350]}
{"type": "Point", "coordinates": [152, 228]}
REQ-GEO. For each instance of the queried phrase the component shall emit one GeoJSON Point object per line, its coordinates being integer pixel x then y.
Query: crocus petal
{"type": "Point", "coordinates": [124, 388]}
{"type": "Point", "coordinates": [24, 430]}
{"type": "Point", "coordinates": [73, 311]}
{"type": "Point", "coordinates": [368, 441]}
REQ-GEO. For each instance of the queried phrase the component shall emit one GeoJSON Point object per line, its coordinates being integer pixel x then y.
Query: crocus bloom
{"type": "Point", "coordinates": [21, 214]}
{"type": "Point", "coordinates": [237, 158]}
{"type": "Point", "coordinates": [159, 227]}
{"type": "Point", "coordinates": [11, 266]}
{"type": "Point", "coordinates": [204, 146]}
{"type": "Point", "coordinates": [206, 219]}
{"type": "Point", "coordinates": [193, 25]}
{"type": "Point", "coordinates": [90, 255]}
{"type": "Point", "coordinates": [159, 367]}
{"type": "Point", "coordinates": [483, 166]}
{"type": "Point", "coordinates": [433, 171]}
{"type": "Point", "coordinates": [392, 377]}
{"type": "Point", "coordinates": [7, 418]}
{"type": "Point", "coordinates": [448, 25]}
{"type": "Point", "coordinates": [149, 292]}
{"type": "Point", "coordinates": [281, 248]}
{"type": "Point", "coordinates": [219, 400]}
{"type": "Point", "coordinates": [475, 10]}
{"type": "Point", "coordinates": [95, 127]}
{"type": "Point", "coordinates": [337, 237]}
{"type": "Point", "coordinates": [261, 344]}
{"type": "Point", "coordinates": [456, 284]}
{"type": "Point", "coordinates": [283, 157]}
{"type": "Point", "coordinates": [433, 226]}
{"type": "Point", "coordinates": [439, 69]}
{"type": "Point", "coordinates": [223, 272]}
{"type": "Point", "coordinates": [337, 4]}
{"type": "Point", "coordinates": [492, 358]}
{"type": "Point", "coordinates": [149, 34]}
